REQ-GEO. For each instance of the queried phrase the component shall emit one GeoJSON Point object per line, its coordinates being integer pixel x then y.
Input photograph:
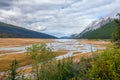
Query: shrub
{"type": "Point", "coordinates": [13, 71]}
{"type": "Point", "coordinates": [40, 54]}
{"type": "Point", "coordinates": [106, 65]}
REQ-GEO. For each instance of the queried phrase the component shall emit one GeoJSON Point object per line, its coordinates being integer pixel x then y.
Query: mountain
{"type": "Point", "coordinates": [101, 29]}
{"type": "Point", "coordinates": [68, 37]}
{"type": "Point", "coordinates": [65, 37]}
{"type": "Point", "coordinates": [8, 30]}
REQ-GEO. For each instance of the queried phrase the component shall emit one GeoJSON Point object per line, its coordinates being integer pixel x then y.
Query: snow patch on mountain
{"type": "Point", "coordinates": [95, 25]}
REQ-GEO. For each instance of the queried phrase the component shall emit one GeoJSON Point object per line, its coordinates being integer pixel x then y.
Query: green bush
{"type": "Point", "coordinates": [106, 65]}
{"type": "Point", "coordinates": [41, 54]}
{"type": "Point", "coordinates": [64, 70]}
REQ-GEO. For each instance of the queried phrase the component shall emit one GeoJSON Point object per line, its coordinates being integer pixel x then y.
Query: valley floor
{"type": "Point", "coordinates": [14, 48]}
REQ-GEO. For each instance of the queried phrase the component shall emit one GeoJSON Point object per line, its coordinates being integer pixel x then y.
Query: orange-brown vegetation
{"type": "Point", "coordinates": [23, 59]}
{"type": "Point", "coordinates": [5, 61]}
{"type": "Point", "coordinates": [85, 41]}
{"type": "Point", "coordinates": [7, 51]}
{"type": "Point", "coordinates": [9, 42]}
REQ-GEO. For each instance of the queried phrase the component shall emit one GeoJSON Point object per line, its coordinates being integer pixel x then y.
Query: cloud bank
{"type": "Point", "coordinates": [56, 17]}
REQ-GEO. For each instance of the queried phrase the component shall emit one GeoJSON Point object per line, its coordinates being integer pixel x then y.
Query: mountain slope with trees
{"type": "Point", "coordinates": [8, 30]}
{"type": "Point", "coordinates": [104, 32]}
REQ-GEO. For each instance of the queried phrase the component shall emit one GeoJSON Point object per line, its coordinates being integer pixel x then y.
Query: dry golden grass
{"type": "Point", "coordinates": [82, 55]}
{"type": "Point", "coordinates": [9, 42]}
{"type": "Point", "coordinates": [23, 59]}
{"type": "Point", "coordinates": [5, 61]}
{"type": "Point", "coordinates": [7, 51]}
{"type": "Point", "coordinates": [76, 52]}
{"type": "Point", "coordinates": [85, 41]}
{"type": "Point", "coordinates": [60, 53]}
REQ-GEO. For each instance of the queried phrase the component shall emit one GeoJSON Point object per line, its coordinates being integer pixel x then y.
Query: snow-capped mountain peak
{"type": "Point", "coordinates": [97, 24]}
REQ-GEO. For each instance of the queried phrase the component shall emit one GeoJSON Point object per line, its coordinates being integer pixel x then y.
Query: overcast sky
{"type": "Point", "coordinates": [56, 17]}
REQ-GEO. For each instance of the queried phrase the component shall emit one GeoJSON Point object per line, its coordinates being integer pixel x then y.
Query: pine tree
{"type": "Point", "coordinates": [116, 35]}
{"type": "Point", "coordinates": [13, 71]}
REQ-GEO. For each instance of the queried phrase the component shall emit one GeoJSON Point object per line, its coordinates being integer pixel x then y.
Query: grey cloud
{"type": "Point", "coordinates": [57, 17]}
{"type": "Point", "coordinates": [5, 4]}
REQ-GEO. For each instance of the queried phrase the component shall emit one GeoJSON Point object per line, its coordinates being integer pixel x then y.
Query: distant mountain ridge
{"type": "Point", "coordinates": [68, 37]}
{"type": "Point", "coordinates": [8, 30]}
{"type": "Point", "coordinates": [102, 28]}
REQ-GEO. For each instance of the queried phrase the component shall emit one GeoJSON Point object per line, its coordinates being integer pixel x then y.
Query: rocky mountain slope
{"type": "Point", "coordinates": [102, 28]}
